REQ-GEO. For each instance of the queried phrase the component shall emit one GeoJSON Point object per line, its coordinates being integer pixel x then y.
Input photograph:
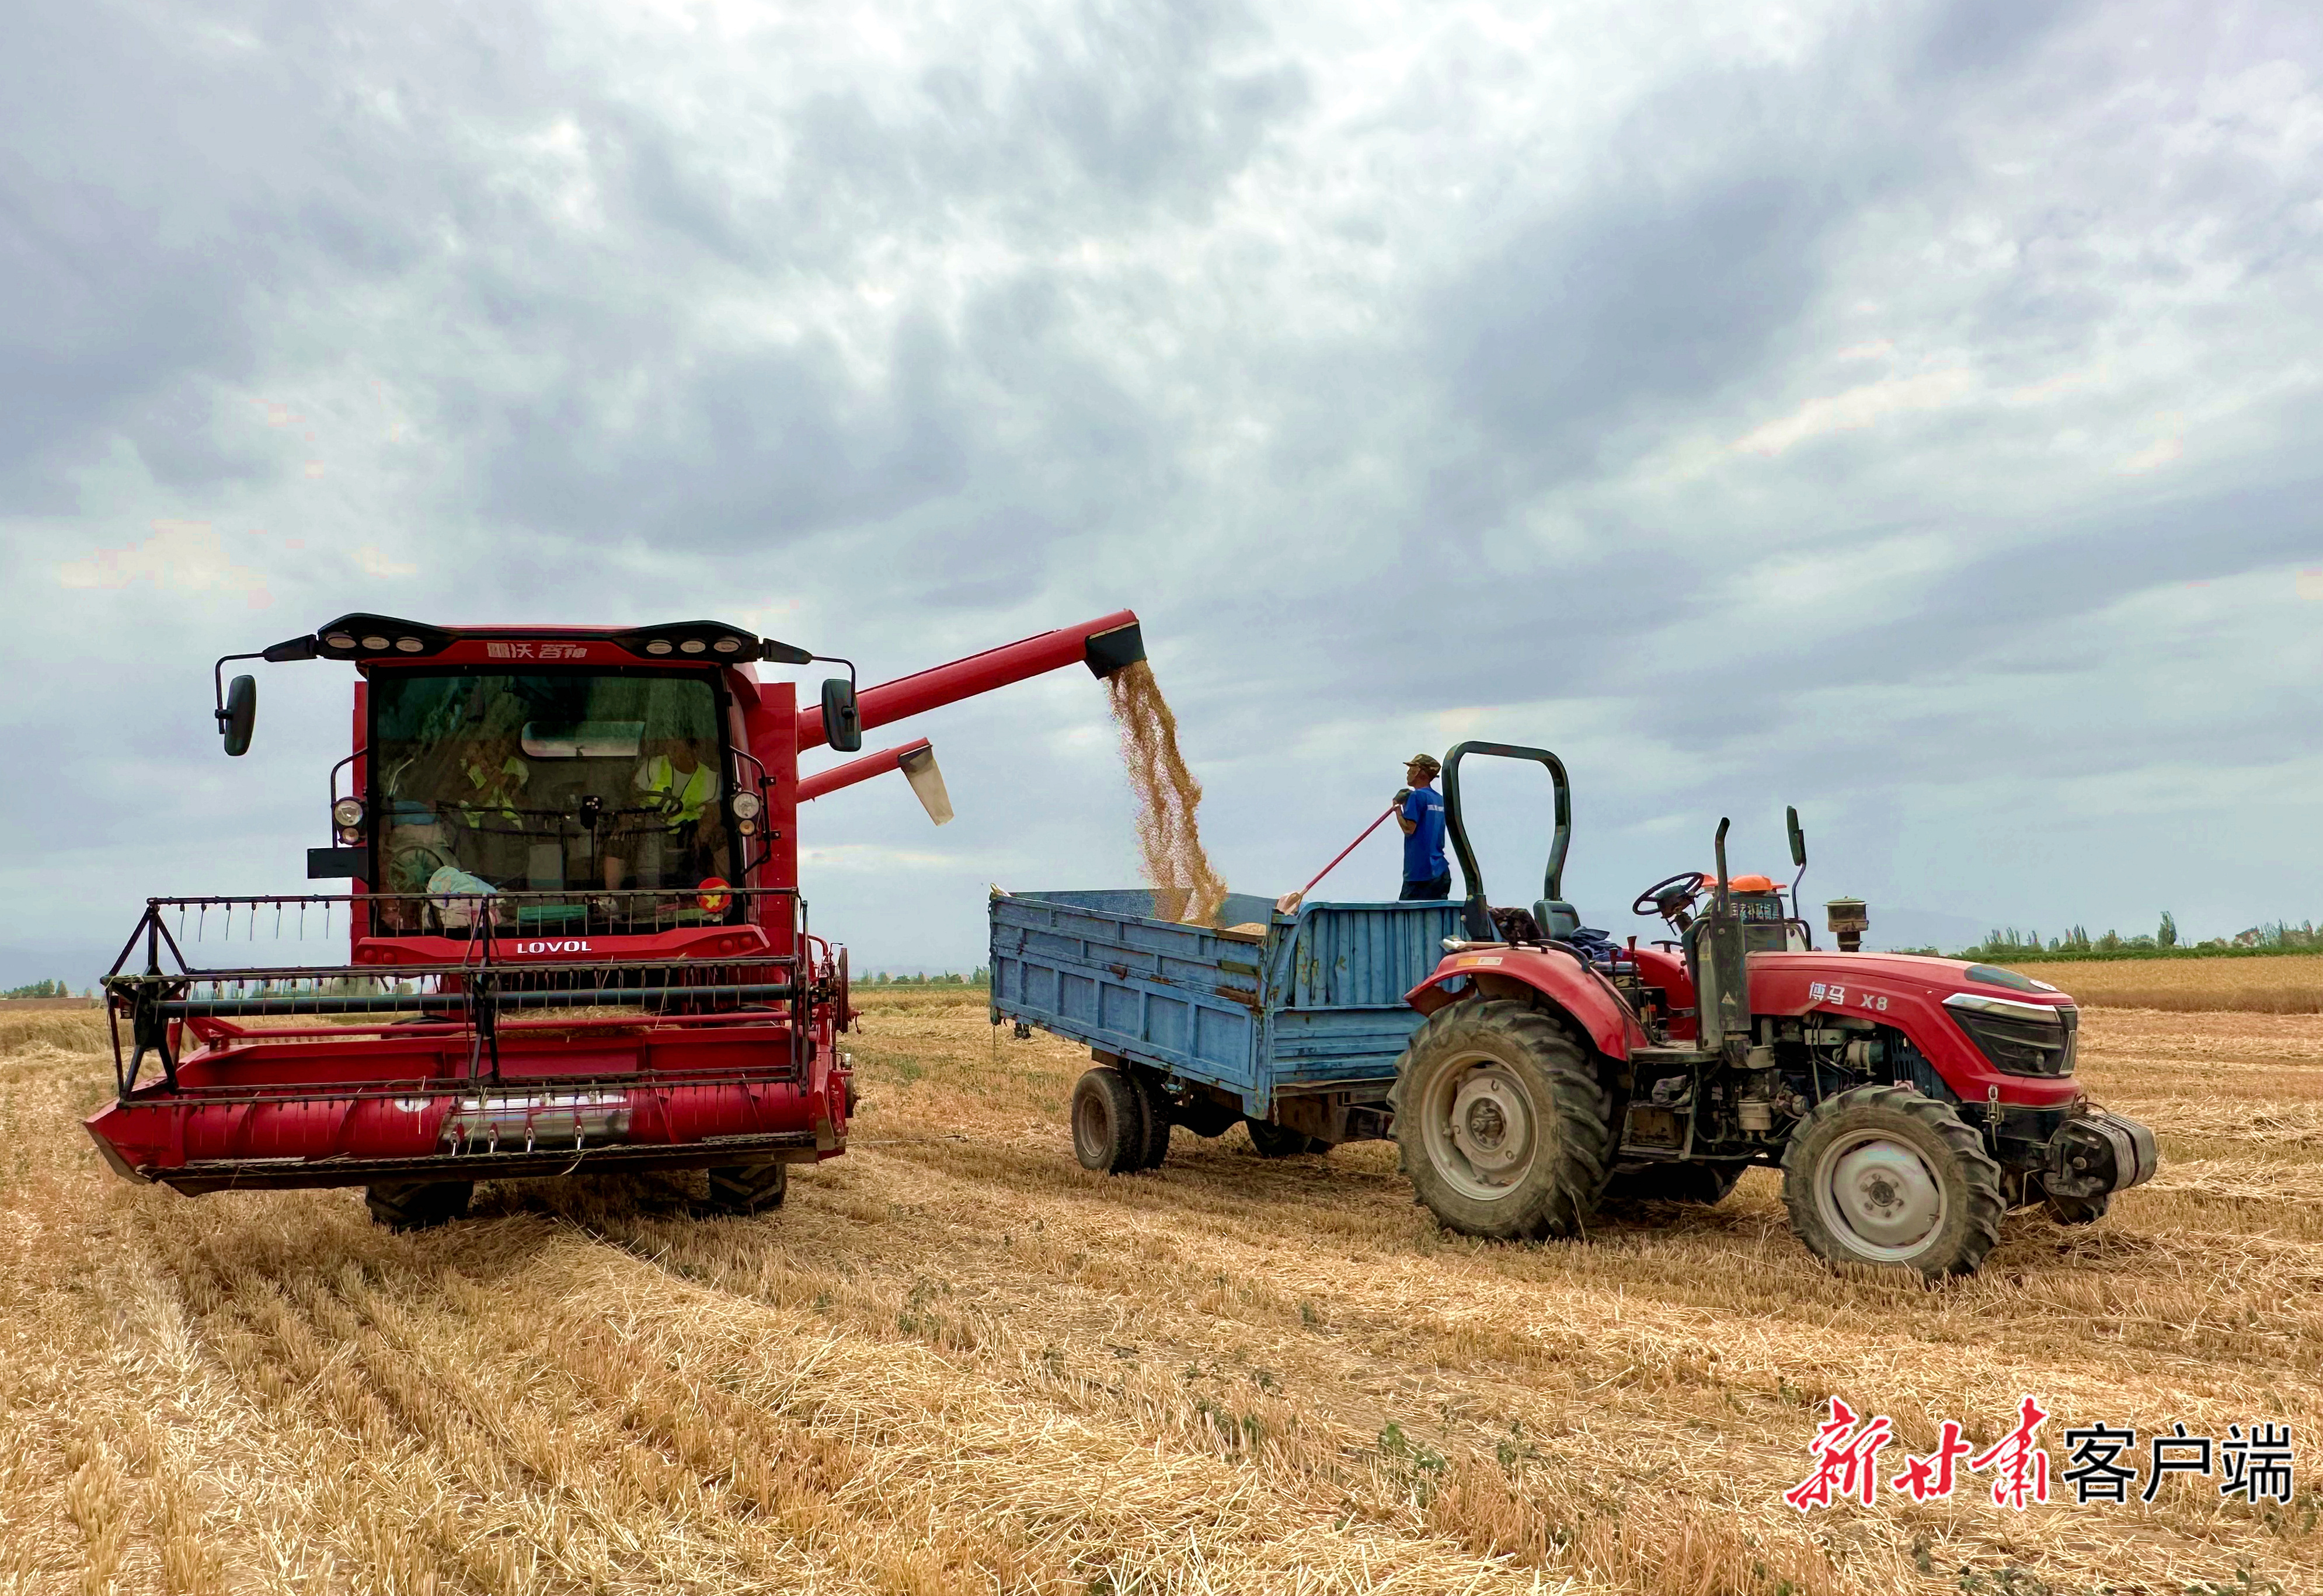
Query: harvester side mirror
{"type": "Point", "coordinates": [1798, 837]}
{"type": "Point", "coordinates": [842, 721]}
{"type": "Point", "coordinates": [239, 714]}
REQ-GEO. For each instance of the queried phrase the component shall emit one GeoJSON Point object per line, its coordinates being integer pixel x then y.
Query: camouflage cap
{"type": "Point", "coordinates": [1427, 762]}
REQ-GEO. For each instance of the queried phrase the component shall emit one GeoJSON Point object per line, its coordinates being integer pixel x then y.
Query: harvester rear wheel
{"type": "Point", "coordinates": [746, 1189]}
{"type": "Point", "coordinates": [1500, 1121]}
{"type": "Point", "coordinates": [1273, 1140]}
{"type": "Point", "coordinates": [1108, 1117]}
{"type": "Point", "coordinates": [1703, 1184]}
{"type": "Point", "coordinates": [1883, 1175]}
{"type": "Point", "coordinates": [419, 1204]}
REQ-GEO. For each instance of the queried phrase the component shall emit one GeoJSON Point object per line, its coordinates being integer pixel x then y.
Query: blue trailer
{"type": "Point", "coordinates": [1289, 1021]}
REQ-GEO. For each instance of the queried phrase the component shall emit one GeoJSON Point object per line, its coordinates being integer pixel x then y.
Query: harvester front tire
{"type": "Point", "coordinates": [1268, 1139]}
{"type": "Point", "coordinates": [1500, 1121]}
{"type": "Point", "coordinates": [1705, 1184]}
{"type": "Point", "coordinates": [1883, 1176]}
{"type": "Point", "coordinates": [1108, 1118]}
{"type": "Point", "coordinates": [419, 1204]}
{"type": "Point", "coordinates": [748, 1188]}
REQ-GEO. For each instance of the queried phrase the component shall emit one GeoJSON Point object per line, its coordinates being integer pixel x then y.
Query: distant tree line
{"type": "Point", "coordinates": [2005, 944]}
{"type": "Point", "coordinates": [40, 989]}
{"type": "Point", "coordinates": [978, 977]}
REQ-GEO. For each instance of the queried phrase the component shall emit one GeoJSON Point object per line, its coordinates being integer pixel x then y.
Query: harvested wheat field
{"type": "Point", "coordinates": [2276, 984]}
{"type": "Point", "coordinates": [957, 1362]}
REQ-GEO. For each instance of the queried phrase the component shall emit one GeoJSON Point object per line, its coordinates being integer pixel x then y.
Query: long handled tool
{"type": "Point", "coordinates": [1290, 901]}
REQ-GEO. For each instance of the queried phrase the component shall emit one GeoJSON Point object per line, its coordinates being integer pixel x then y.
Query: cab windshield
{"type": "Point", "coordinates": [571, 784]}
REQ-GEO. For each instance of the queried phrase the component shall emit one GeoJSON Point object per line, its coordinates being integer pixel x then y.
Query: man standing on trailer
{"type": "Point", "coordinates": [1420, 810]}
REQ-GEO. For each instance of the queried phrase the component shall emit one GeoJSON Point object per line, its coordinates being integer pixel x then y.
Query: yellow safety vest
{"type": "Point", "coordinates": [693, 792]}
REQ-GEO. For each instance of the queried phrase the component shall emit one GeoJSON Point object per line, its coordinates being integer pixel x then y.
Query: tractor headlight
{"type": "Point", "coordinates": [347, 813]}
{"type": "Point", "coordinates": [746, 806]}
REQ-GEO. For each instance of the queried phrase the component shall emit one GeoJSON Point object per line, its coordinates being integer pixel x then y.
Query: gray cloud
{"type": "Point", "coordinates": [1832, 410]}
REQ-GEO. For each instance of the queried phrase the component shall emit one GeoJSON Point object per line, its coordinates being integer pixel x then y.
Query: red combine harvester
{"type": "Point", "coordinates": [576, 936]}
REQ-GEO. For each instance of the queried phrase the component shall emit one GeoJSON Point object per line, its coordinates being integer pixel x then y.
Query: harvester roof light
{"type": "Point", "coordinates": [658, 646]}
{"type": "Point", "coordinates": [377, 642]}
{"type": "Point", "coordinates": [728, 645]}
{"type": "Point", "coordinates": [692, 645]}
{"type": "Point", "coordinates": [409, 644]}
{"type": "Point", "coordinates": [339, 640]}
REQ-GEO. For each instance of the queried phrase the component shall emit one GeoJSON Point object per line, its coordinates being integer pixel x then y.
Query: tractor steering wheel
{"type": "Point", "coordinates": [1650, 901]}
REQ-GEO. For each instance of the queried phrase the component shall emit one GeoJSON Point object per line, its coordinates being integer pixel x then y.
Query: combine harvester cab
{"type": "Point", "coordinates": [576, 939]}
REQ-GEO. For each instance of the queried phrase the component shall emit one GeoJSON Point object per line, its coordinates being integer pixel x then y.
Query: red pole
{"type": "Point", "coordinates": [1344, 852]}
{"type": "Point", "coordinates": [1104, 645]}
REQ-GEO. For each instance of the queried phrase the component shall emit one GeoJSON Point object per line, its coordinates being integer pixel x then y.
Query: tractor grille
{"type": "Point", "coordinates": [2021, 1046]}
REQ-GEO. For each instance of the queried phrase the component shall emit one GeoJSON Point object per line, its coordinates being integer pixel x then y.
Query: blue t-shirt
{"type": "Point", "coordinates": [1423, 849]}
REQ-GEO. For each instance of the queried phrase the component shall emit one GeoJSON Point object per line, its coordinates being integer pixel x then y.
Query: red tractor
{"type": "Point", "coordinates": [576, 940]}
{"type": "Point", "coordinates": [1908, 1101]}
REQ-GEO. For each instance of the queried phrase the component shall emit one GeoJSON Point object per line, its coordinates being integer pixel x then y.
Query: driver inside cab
{"type": "Point", "coordinates": [677, 788]}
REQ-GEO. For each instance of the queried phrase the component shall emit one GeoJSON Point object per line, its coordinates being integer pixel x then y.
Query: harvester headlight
{"type": "Point", "coordinates": [658, 646]}
{"type": "Point", "coordinates": [347, 813]}
{"type": "Point", "coordinates": [377, 642]}
{"type": "Point", "coordinates": [746, 806]}
{"type": "Point", "coordinates": [693, 646]}
{"type": "Point", "coordinates": [409, 644]}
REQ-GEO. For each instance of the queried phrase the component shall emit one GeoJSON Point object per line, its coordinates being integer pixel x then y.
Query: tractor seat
{"type": "Point", "coordinates": [1558, 919]}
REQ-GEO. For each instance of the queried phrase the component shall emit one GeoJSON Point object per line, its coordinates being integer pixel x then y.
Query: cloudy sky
{"type": "Point", "coordinates": [1909, 412]}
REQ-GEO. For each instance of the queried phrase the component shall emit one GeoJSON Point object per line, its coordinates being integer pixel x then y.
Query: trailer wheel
{"type": "Point", "coordinates": [1108, 1115]}
{"type": "Point", "coordinates": [1273, 1140]}
{"type": "Point", "coordinates": [1689, 1182]}
{"type": "Point", "coordinates": [2067, 1210]}
{"type": "Point", "coordinates": [1882, 1175]}
{"type": "Point", "coordinates": [1499, 1122]}
{"type": "Point", "coordinates": [746, 1189]}
{"type": "Point", "coordinates": [419, 1204]}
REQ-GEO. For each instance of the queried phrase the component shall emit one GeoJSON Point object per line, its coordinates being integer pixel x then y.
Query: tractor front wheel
{"type": "Point", "coordinates": [1882, 1175]}
{"type": "Point", "coordinates": [1500, 1121]}
{"type": "Point", "coordinates": [746, 1189]}
{"type": "Point", "coordinates": [419, 1204]}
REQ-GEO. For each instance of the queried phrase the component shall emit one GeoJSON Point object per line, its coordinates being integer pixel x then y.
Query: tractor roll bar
{"type": "Point", "coordinates": [1476, 921]}
{"type": "Point", "coordinates": [1106, 645]}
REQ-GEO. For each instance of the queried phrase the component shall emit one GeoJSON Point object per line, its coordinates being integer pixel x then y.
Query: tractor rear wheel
{"type": "Point", "coordinates": [746, 1189]}
{"type": "Point", "coordinates": [1705, 1184]}
{"type": "Point", "coordinates": [1108, 1118]}
{"type": "Point", "coordinates": [1268, 1139]}
{"type": "Point", "coordinates": [419, 1204]}
{"type": "Point", "coordinates": [1883, 1175]}
{"type": "Point", "coordinates": [1500, 1121]}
